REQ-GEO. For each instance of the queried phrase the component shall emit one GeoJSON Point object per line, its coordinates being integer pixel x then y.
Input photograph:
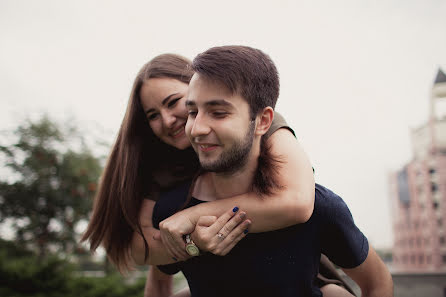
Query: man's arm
{"type": "Point", "coordinates": [372, 276]}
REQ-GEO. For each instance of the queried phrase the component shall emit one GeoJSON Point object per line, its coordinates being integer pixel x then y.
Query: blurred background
{"type": "Point", "coordinates": [362, 85]}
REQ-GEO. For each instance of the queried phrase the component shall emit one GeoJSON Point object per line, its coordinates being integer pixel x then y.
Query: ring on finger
{"type": "Point", "coordinates": [220, 236]}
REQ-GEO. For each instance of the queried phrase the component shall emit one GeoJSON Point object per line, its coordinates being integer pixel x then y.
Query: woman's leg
{"type": "Point", "coordinates": [333, 290]}
{"type": "Point", "coordinates": [182, 293]}
{"type": "Point", "coordinates": [330, 281]}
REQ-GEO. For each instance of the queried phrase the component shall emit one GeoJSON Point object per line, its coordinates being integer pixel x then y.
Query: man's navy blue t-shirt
{"type": "Point", "coordinates": [281, 263]}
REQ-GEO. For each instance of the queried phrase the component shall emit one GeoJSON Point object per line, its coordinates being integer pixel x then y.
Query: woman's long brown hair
{"type": "Point", "coordinates": [134, 158]}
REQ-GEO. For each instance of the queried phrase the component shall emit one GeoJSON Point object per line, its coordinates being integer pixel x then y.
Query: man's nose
{"type": "Point", "coordinates": [200, 126]}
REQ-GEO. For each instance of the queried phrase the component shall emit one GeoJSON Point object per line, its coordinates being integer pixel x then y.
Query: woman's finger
{"type": "Point", "coordinates": [222, 220]}
{"type": "Point", "coordinates": [180, 249]}
{"type": "Point", "coordinates": [179, 244]}
{"type": "Point", "coordinates": [231, 224]}
{"type": "Point", "coordinates": [235, 236]}
{"type": "Point", "coordinates": [171, 249]}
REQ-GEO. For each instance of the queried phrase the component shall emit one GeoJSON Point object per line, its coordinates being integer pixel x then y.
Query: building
{"type": "Point", "coordinates": [418, 194]}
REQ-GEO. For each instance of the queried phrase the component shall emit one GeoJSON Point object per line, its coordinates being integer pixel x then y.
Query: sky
{"type": "Point", "coordinates": [355, 75]}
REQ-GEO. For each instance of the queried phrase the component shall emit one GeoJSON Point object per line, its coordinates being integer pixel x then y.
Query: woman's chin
{"type": "Point", "coordinates": [181, 144]}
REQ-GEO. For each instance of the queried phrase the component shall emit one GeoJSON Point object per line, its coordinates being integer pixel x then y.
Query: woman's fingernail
{"type": "Point", "coordinates": [242, 215]}
{"type": "Point", "coordinates": [246, 231]}
{"type": "Point", "coordinates": [235, 209]}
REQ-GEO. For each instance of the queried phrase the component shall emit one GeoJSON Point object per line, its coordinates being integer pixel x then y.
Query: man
{"type": "Point", "coordinates": [231, 99]}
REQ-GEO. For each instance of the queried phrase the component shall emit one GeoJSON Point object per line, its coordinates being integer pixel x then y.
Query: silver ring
{"type": "Point", "coordinates": [220, 236]}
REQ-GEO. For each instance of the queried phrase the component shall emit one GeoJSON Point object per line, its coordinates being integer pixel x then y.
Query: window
{"type": "Point", "coordinates": [442, 241]}
{"type": "Point", "coordinates": [444, 258]}
{"type": "Point", "coordinates": [431, 170]}
{"type": "Point", "coordinates": [420, 190]}
{"type": "Point", "coordinates": [434, 187]}
{"type": "Point", "coordinates": [440, 222]}
{"type": "Point", "coordinates": [435, 205]}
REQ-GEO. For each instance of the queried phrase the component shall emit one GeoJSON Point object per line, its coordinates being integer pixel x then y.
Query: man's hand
{"type": "Point", "coordinates": [172, 231]}
{"type": "Point", "coordinates": [219, 236]}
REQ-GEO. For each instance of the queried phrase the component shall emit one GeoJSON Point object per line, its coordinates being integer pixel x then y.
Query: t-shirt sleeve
{"type": "Point", "coordinates": [341, 240]}
{"type": "Point", "coordinates": [278, 122]}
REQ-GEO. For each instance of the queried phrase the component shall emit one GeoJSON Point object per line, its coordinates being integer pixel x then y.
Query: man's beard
{"type": "Point", "coordinates": [235, 158]}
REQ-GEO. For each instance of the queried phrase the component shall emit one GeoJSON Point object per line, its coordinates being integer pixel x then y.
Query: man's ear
{"type": "Point", "coordinates": [264, 120]}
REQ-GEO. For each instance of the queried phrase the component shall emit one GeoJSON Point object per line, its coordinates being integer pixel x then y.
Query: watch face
{"type": "Point", "coordinates": [192, 250]}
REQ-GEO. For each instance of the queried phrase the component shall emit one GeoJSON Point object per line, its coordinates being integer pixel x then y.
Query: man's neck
{"type": "Point", "coordinates": [213, 186]}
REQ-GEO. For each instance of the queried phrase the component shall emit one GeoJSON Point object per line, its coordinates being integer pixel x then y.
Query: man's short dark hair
{"type": "Point", "coordinates": [244, 70]}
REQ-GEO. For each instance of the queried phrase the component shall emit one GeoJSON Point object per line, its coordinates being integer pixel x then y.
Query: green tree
{"type": "Point", "coordinates": [51, 178]}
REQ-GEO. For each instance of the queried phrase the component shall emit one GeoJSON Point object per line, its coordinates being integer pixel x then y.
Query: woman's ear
{"type": "Point", "coordinates": [264, 120]}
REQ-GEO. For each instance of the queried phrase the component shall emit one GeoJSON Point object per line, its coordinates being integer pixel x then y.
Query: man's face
{"type": "Point", "coordinates": [219, 126]}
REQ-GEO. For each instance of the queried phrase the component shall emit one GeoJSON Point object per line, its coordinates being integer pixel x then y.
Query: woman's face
{"type": "Point", "coordinates": [163, 101]}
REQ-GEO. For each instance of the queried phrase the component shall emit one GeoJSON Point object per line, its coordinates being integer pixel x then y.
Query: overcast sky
{"type": "Point", "coordinates": [355, 75]}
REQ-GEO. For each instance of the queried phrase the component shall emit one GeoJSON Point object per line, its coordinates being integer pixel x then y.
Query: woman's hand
{"type": "Point", "coordinates": [219, 236]}
{"type": "Point", "coordinates": [172, 231]}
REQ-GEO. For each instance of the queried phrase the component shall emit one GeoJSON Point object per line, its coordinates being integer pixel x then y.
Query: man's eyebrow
{"type": "Point", "coordinates": [214, 102]}
{"type": "Point", "coordinates": [217, 102]}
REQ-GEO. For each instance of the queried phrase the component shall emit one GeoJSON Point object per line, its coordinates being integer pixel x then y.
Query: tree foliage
{"type": "Point", "coordinates": [51, 179]}
{"type": "Point", "coordinates": [23, 274]}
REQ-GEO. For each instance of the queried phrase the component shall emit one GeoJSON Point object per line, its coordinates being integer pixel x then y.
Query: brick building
{"type": "Point", "coordinates": [418, 194]}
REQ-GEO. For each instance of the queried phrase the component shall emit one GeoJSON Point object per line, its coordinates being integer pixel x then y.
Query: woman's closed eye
{"type": "Point", "coordinates": [152, 116]}
{"type": "Point", "coordinates": [173, 102]}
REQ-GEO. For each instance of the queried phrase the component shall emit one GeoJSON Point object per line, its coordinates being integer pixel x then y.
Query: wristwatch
{"type": "Point", "coordinates": [191, 248]}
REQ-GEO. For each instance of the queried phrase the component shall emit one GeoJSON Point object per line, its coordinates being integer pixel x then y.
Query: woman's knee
{"type": "Point", "coordinates": [332, 290]}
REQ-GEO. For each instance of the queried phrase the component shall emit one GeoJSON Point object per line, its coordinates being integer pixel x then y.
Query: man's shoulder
{"type": "Point", "coordinates": [170, 202]}
{"type": "Point", "coordinates": [327, 201]}
{"type": "Point", "coordinates": [341, 239]}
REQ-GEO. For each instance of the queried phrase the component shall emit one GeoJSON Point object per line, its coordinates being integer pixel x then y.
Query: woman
{"type": "Point", "coordinates": [152, 154]}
